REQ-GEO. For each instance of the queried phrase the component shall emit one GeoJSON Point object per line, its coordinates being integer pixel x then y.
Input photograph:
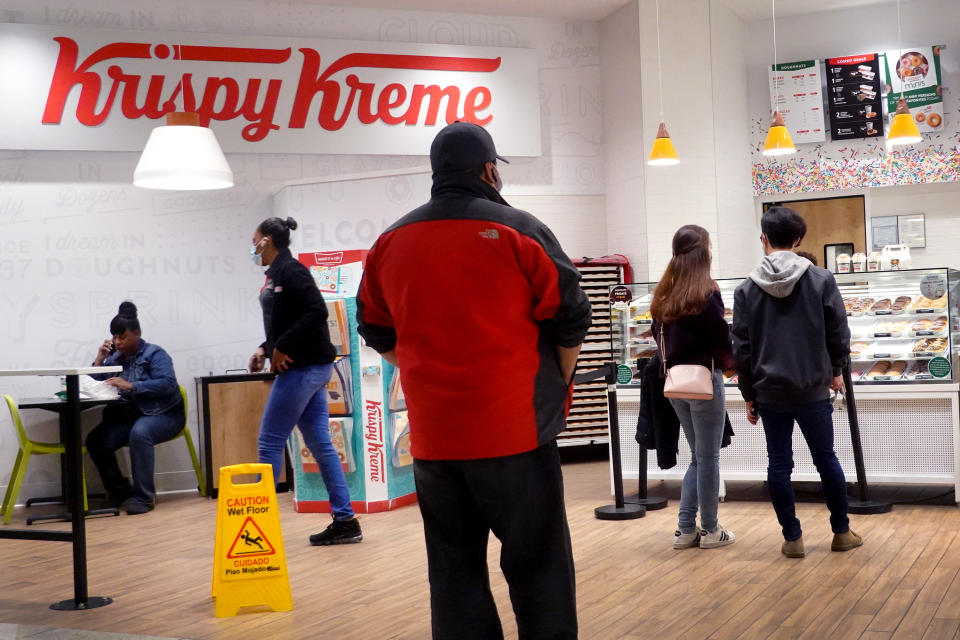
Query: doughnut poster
{"type": "Point", "coordinates": [917, 71]}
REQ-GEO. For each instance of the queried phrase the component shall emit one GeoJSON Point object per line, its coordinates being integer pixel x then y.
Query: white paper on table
{"type": "Point", "coordinates": [97, 389]}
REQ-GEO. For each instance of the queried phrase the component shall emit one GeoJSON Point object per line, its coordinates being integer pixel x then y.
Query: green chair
{"type": "Point", "coordinates": [201, 485]}
{"type": "Point", "coordinates": [28, 448]}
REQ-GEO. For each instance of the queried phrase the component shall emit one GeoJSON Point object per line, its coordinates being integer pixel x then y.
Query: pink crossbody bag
{"type": "Point", "coordinates": [686, 381]}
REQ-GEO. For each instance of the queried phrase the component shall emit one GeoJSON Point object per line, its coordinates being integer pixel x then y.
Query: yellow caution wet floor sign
{"type": "Point", "coordinates": [249, 566]}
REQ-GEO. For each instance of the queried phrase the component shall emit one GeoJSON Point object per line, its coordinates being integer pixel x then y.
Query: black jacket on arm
{"type": "Point", "coordinates": [658, 426]}
{"type": "Point", "coordinates": [298, 318]}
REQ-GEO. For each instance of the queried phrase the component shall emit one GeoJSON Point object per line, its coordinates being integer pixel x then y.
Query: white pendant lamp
{"type": "Point", "coordinates": [663, 152]}
{"type": "Point", "coordinates": [778, 142]}
{"type": "Point", "coordinates": [903, 129]}
{"type": "Point", "coordinates": [182, 156]}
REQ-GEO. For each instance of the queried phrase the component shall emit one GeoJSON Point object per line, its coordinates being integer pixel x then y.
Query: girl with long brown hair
{"type": "Point", "coordinates": [689, 324]}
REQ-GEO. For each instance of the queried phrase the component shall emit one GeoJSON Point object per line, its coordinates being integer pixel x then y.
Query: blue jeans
{"type": "Point", "coordinates": [125, 425]}
{"type": "Point", "coordinates": [702, 422]}
{"type": "Point", "coordinates": [816, 424]}
{"type": "Point", "coordinates": [299, 397]}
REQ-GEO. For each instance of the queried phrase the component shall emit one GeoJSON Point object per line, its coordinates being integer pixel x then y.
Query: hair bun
{"type": "Point", "coordinates": [127, 309]}
{"type": "Point", "coordinates": [291, 223]}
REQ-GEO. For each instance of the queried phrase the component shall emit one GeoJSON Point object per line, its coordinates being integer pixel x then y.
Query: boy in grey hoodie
{"type": "Point", "coordinates": [791, 342]}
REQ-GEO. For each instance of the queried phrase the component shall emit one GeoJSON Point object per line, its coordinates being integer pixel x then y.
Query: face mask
{"type": "Point", "coordinates": [257, 258]}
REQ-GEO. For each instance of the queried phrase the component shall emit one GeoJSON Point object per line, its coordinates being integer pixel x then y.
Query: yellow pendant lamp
{"type": "Point", "coordinates": [903, 129]}
{"type": "Point", "coordinates": [778, 142]}
{"type": "Point", "coordinates": [663, 153]}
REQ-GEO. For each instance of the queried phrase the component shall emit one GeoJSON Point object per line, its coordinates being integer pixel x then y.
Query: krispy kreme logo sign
{"type": "Point", "coordinates": [227, 98]}
{"type": "Point", "coordinates": [373, 434]}
{"type": "Point", "coordinates": [263, 95]}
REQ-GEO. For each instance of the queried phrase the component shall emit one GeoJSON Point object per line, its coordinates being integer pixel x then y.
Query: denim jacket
{"type": "Point", "coordinates": [155, 388]}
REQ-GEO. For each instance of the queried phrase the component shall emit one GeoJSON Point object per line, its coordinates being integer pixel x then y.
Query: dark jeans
{"type": "Point", "coordinates": [816, 424]}
{"type": "Point", "coordinates": [520, 499]}
{"type": "Point", "coordinates": [124, 425]}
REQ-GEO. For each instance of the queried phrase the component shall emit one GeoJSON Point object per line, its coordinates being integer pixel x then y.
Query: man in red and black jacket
{"type": "Point", "coordinates": [477, 305]}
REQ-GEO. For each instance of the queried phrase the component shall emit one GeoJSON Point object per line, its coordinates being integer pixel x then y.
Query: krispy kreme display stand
{"type": "Point", "coordinates": [368, 418]}
{"type": "Point", "coordinates": [905, 342]}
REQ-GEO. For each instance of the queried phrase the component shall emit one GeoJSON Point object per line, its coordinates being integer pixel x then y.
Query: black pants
{"type": "Point", "coordinates": [520, 499]}
{"type": "Point", "coordinates": [124, 425]}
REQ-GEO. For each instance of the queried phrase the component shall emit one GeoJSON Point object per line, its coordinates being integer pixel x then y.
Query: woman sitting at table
{"type": "Point", "coordinates": [150, 412]}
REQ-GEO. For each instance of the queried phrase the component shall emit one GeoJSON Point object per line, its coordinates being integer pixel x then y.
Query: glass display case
{"type": "Point", "coordinates": [904, 325]}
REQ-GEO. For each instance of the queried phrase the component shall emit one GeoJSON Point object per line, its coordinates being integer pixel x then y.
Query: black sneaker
{"type": "Point", "coordinates": [136, 507]}
{"type": "Point", "coordinates": [116, 498]}
{"type": "Point", "coordinates": [339, 532]}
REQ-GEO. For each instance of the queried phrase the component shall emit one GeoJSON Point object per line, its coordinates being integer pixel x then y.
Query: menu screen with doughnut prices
{"type": "Point", "coordinates": [854, 97]}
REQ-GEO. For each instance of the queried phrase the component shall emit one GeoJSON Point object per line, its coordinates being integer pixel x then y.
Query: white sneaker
{"type": "Point", "coordinates": [686, 540]}
{"type": "Point", "coordinates": [719, 538]}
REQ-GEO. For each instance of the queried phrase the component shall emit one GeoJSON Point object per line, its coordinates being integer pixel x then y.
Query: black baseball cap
{"type": "Point", "coordinates": [462, 146]}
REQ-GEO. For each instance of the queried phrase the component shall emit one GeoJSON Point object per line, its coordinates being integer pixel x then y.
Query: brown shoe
{"type": "Point", "coordinates": [845, 541]}
{"type": "Point", "coordinates": [793, 548]}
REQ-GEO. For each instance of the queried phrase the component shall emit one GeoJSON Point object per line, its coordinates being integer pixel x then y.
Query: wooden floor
{"type": "Point", "coordinates": [903, 584]}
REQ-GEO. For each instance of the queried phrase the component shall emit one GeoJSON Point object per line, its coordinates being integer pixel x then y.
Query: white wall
{"type": "Point", "coordinates": [685, 193]}
{"type": "Point", "coordinates": [76, 238]}
{"type": "Point", "coordinates": [939, 202]}
{"type": "Point", "coordinates": [851, 31]}
{"type": "Point", "coordinates": [941, 205]}
{"type": "Point", "coordinates": [623, 138]}
{"type": "Point", "coordinates": [737, 242]}
{"type": "Point", "coordinates": [842, 32]}
{"type": "Point", "coordinates": [705, 110]}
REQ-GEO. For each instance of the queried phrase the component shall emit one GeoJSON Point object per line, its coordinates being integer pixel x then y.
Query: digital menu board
{"type": "Point", "coordinates": [853, 96]}
{"type": "Point", "coordinates": [796, 90]}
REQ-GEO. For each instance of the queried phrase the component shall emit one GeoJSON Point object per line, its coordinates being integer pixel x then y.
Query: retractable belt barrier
{"type": "Point", "coordinates": [864, 505]}
{"type": "Point", "coordinates": [249, 565]}
{"type": "Point", "coordinates": [619, 510]}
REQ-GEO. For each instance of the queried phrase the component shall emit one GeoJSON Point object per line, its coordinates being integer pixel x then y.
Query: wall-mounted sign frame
{"type": "Point", "coordinates": [797, 93]}
{"type": "Point", "coordinates": [915, 71]}
{"type": "Point", "coordinates": [909, 230]}
{"type": "Point", "coordinates": [912, 230]}
{"type": "Point", "coordinates": [72, 88]}
{"type": "Point", "coordinates": [853, 96]}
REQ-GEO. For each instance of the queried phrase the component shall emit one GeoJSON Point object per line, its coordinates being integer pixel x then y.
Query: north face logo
{"type": "Point", "coordinates": [490, 234]}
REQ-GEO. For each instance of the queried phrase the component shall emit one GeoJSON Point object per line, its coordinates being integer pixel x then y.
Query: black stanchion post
{"type": "Point", "coordinates": [864, 505]}
{"type": "Point", "coordinates": [651, 503]}
{"type": "Point", "coordinates": [619, 510]}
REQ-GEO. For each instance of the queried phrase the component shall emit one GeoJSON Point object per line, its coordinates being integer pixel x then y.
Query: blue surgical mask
{"type": "Point", "coordinates": [257, 258]}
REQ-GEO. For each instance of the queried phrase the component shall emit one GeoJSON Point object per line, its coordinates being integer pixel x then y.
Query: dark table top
{"type": "Point", "coordinates": [235, 377]}
{"type": "Point", "coordinates": [51, 403]}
